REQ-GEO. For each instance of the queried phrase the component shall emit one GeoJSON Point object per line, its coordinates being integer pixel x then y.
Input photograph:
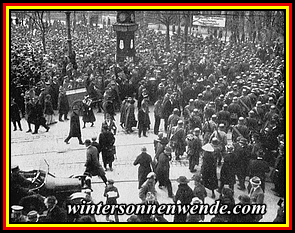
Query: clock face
{"type": "Point", "coordinates": [122, 17]}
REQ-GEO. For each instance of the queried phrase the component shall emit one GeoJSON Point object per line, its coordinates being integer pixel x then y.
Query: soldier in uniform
{"type": "Point", "coordinates": [240, 130]}
{"type": "Point", "coordinates": [194, 148]}
{"type": "Point", "coordinates": [223, 117]}
{"type": "Point", "coordinates": [235, 111]}
{"type": "Point", "coordinates": [208, 128]}
{"type": "Point", "coordinates": [178, 139]}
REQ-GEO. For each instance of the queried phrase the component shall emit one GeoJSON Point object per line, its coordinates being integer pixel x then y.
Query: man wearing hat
{"type": "Point", "coordinates": [75, 128]}
{"type": "Point", "coordinates": [183, 196]}
{"type": "Point", "coordinates": [163, 170]}
{"type": "Point", "coordinates": [221, 135]}
{"type": "Point", "coordinates": [145, 164]}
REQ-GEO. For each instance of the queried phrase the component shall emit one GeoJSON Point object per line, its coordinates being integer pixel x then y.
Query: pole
{"type": "Point", "coordinates": [68, 13]}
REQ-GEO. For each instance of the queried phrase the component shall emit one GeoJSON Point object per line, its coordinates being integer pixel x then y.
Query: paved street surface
{"type": "Point", "coordinates": [28, 151]}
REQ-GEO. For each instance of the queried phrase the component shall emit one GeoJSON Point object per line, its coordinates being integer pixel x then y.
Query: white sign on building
{"type": "Point", "coordinates": [209, 21]}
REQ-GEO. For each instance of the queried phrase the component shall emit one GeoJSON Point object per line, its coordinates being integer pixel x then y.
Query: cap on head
{"type": "Point", "coordinates": [151, 175]}
{"type": "Point", "coordinates": [255, 180]}
{"type": "Point", "coordinates": [87, 142]}
{"type": "Point", "coordinates": [143, 149]}
{"type": "Point", "coordinates": [111, 181]}
{"type": "Point", "coordinates": [168, 150]}
{"type": "Point", "coordinates": [182, 180]}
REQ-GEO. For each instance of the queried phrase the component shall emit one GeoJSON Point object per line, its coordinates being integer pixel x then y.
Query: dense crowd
{"type": "Point", "coordinates": [220, 87]}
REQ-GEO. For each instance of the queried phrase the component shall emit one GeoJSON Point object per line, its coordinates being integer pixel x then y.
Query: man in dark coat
{"type": "Point", "coordinates": [143, 121]}
{"type": "Point", "coordinates": [144, 160]}
{"type": "Point", "coordinates": [258, 167]}
{"type": "Point", "coordinates": [227, 171]}
{"type": "Point", "coordinates": [167, 110]}
{"type": "Point", "coordinates": [75, 129]}
{"type": "Point", "coordinates": [39, 116]}
{"type": "Point", "coordinates": [130, 116]}
{"type": "Point", "coordinates": [63, 104]}
{"type": "Point", "coordinates": [242, 150]}
{"type": "Point", "coordinates": [163, 169]}
{"type": "Point", "coordinates": [106, 142]}
{"type": "Point", "coordinates": [19, 186]}
{"type": "Point", "coordinates": [15, 115]}
{"type": "Point", "coordinates": [183, 196]}
{"type": "Point", "coordinates": [88, 115]}
{"type": "Point", "coordinates": [93, 167]}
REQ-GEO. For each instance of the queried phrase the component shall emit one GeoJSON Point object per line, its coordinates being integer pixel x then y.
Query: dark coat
{"type": "Point", "coordinates": [208, 171]}
{"type": "Point", "coordinates": [106, 141]}
{"type": "Point", "coordinates": [92, 164]}
{"type": "Point", "coordinates": [63, 104]}
{"type": "Point", "coordinates": [48, 109]}
{"type": "Point", "coordinates": [14, 112]}
{"type": "Point", "coordinates": [243, 157]}
{"type": "Point", "coordinates": [144, 160]}
{"type": "Point", "coordinates": [163, 168]}
{"type": "Point", "coordinates": [56, 215]}
{"type": "Point", "coordinates": [184, 194]}
{"type": "Point", "coordinates": [75, 129]}
{"type": "Point", "coordinates": [143, 119]}
{"type": "Point", "coordinates": [227, 171]}
{"type": "Point", "coordinates": [29, 110]}
{"type": "Point", "coordinates": [130, 116]}
{"type": "Point", "coordinates": [88, 115]}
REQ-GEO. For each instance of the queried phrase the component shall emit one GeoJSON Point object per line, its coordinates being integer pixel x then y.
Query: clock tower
{"type": "Point", "coordinates": [125, 28]}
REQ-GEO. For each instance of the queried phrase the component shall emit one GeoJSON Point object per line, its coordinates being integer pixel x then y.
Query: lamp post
{"type": "Point", "coordinates": [69, 40]}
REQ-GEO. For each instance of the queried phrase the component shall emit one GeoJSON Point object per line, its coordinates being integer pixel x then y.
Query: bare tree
{"type": "Point", "coordinates": [167, 18]}
{"type": "Point", "coordinates": [42, 25]}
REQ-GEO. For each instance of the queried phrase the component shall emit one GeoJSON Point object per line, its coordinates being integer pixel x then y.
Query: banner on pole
{"type": "Point", "coordinates": [209, 21]}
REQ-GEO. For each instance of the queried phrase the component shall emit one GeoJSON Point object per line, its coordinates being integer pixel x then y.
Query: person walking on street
{"type": "Point", "coordinates": [106, 141]}
{"type": "Point", "coordinates": [93, 167]}
{"type": "Point", "coordinates": [163, 170]}
{"type": "Point", "coordinates": [75, 128]}
{"type": "Point", "coordinates": [144, 160]}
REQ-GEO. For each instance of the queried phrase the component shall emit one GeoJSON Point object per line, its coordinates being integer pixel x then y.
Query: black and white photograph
{"type": "Point", "coordinates": [121, 109]}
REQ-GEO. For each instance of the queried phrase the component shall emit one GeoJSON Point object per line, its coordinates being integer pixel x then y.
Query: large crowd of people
{"type": "Point", "coordinates": [218, 88]}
